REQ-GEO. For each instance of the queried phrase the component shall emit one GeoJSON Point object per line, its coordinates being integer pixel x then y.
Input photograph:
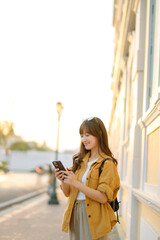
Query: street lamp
{"type": "Point", "coordinates": [53, 198]}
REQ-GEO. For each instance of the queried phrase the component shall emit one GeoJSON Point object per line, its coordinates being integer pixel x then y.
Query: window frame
{"type": "Point", "coordinates": [151, 126]}
{"type": "Point", "coordinates": [153, 61]}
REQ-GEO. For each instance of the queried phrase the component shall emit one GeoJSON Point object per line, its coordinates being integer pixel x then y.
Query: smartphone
{"type": "Point", "coordinates": [58, 164]}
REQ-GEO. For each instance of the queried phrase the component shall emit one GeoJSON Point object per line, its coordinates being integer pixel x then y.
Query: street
{"type": "Point", "coordinates": [35, 219]}
{"type": "Point", "coordinates": [13, 185]}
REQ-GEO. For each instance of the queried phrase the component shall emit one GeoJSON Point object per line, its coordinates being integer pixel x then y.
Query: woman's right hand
{"type": "Point", "coordinates": [59, 174]}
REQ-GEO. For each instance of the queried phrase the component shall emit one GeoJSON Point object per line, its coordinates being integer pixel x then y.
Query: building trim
{"type": "Point", "coordinates": [152, 202]}
{"type": "Point", "coordinates": [150, 115]}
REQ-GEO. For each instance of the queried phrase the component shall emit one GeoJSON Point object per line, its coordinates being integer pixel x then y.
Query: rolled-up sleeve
{"type": "Point", "coordinates": [109, 182]}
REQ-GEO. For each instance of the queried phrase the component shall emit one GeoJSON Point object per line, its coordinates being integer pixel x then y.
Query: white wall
{"type": "Point", "coordinates": [27, 160]}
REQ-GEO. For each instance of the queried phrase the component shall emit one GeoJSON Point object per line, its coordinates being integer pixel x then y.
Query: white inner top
{"type": "Point", "coordinates": [81, 196]}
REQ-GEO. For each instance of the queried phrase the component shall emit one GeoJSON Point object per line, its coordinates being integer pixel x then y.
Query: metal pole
{"type": "Point", "coordinates": [53, 198]}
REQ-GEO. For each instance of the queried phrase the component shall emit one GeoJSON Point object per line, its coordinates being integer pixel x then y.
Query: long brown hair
{"type": "Point", "coordinates": [95, 127]}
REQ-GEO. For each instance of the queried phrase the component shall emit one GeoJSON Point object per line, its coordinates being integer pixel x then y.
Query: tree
{"type": "Point", "coordinates": [20, 146]}
{"type": "Point", "coordinates": [6, 131]}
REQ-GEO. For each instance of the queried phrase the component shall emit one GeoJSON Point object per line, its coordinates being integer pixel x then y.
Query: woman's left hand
{"type": "Point", "coordinates": [70, 178]}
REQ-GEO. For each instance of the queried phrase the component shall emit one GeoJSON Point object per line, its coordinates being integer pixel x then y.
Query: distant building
{"type": "Point", "coordinates": [135, 115]}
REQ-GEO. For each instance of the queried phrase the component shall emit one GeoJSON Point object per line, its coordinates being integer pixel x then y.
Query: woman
{"type": "Point", "coordinates": [88, 214]}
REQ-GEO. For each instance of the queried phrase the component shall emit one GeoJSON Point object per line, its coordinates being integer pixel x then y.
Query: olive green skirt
{"type": "Point", "coordinates": [79, 227]}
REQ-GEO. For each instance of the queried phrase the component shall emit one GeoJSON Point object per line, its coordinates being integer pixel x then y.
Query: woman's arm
{"type": "Point", "coordinates": [92, 193]}
{"type": "Point", "coordinates": [65, 187]}
{"type": "Point", "coordinates": [89, 192]}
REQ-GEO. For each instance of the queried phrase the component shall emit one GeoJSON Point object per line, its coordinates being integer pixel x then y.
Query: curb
{"type": "Point", "coordinates": [21, 199]}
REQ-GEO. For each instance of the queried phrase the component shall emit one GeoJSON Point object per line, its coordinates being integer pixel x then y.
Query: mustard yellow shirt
{"type": "Point", "coordinates": [101, 217]}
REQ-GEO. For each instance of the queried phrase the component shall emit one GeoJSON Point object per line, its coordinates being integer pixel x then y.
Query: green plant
{"type": "Point", "coordinates": [4, 166]}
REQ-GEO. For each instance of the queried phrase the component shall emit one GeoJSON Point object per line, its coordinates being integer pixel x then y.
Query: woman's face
{"type": "Point", "coordinates": [90, 142]}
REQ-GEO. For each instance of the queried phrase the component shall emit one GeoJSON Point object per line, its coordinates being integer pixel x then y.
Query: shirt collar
{"type": "Point", "coordinates": [100, 159]}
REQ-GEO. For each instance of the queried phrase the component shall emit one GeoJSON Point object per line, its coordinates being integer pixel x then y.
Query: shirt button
{"type": "Point", "coordinates": [89, 216]}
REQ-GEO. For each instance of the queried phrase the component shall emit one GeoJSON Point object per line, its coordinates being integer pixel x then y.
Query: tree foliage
{"type": "Point", "coordinates": [25, 146]}
{"type": "Point", "coordinates": [20, 146]}
{"type": "Point", "coordinates": [6, 131]}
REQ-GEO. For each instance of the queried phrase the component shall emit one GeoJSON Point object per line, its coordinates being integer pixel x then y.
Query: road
{"type": "Point", "coordinates": [13, 185]}
{"type": "Point", "coordinates": [33, 218]}
{"type": "Point", "coordinates": [36, 219]}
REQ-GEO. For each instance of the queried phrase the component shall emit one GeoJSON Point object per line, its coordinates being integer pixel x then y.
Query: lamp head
{"type": "Point", "coordinates": [59, 107]}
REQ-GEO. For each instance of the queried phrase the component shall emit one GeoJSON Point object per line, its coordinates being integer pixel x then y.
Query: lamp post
{"type": "Point", "coordinates": [53, 199]}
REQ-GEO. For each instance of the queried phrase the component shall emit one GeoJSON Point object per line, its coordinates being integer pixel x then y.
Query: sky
{"type": "Point", "coordinates": [55, 51]}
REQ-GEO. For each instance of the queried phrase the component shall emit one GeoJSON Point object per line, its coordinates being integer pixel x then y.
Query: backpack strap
{"type": "Point", "coordinates": [114, 204]}
{"type": "Point", "coordinates": [101, 167]}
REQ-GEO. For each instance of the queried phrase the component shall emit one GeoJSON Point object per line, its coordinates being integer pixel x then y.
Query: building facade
{"type": "Point", "coordinates": [134, 128]}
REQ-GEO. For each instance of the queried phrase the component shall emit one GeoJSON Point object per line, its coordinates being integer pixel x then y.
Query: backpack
{"type": "Point", "coordinates": [115, 203]}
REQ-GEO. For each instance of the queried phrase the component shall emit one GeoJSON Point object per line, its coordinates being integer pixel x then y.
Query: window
{"type": "Point", "coordinates": [151, 47]}
{"type": "Point", "coordinates": [159, 65]}
{"type": "Point", "coordinates": [152, 181]}
{"type": "Point", "coordinates": [153, 157]}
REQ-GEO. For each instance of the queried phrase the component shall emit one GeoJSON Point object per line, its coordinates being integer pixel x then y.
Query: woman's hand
{"type": "Point", "coordinates": [70, 178]}
{"type": "Point", "coordinates": [60, 174]}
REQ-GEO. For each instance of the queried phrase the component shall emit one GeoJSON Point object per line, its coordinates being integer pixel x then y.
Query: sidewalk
{"type": "Point", "coordinates": [36, 220]}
